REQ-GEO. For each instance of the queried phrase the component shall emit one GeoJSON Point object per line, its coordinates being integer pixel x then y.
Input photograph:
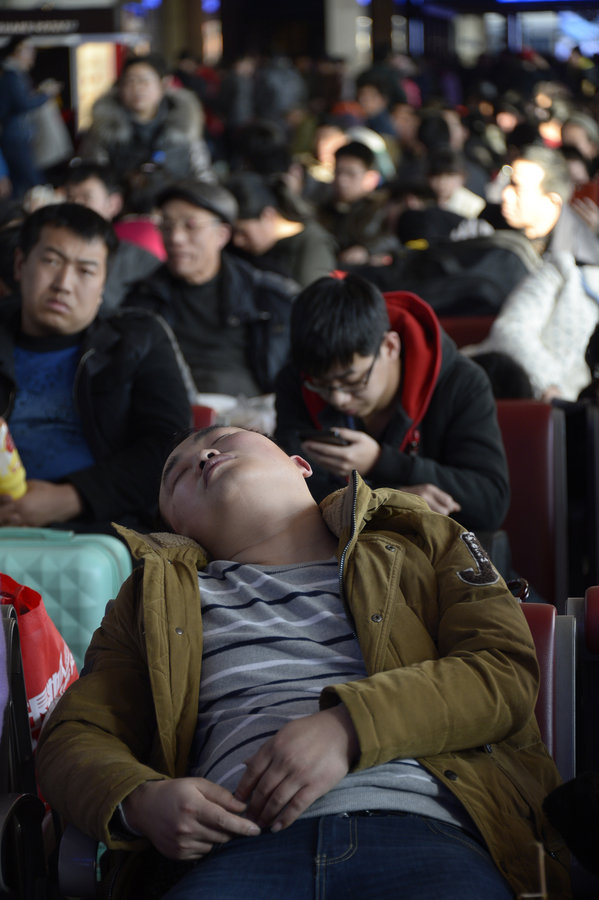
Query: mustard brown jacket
{"type": "Point", "coordinates": [452, 678]}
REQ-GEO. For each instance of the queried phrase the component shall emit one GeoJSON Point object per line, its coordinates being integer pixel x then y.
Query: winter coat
{"type": "Point", "coordinates": [256, 300]}
{"type": "Point", "coordinates": [546, 323]}
{"type": "Point", "coordinates": [174, 143]}
{"type": "Point", "coordinates": [132, 400]}
{"type": "Point", "coordinates": [452, 679]}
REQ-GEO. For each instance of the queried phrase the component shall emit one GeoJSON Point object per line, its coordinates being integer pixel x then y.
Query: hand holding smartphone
{"type": "Point", "coordinates": [325, 436]}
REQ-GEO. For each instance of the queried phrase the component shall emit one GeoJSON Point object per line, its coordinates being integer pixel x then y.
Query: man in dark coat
{"type": "Point", "coordinates": [92, 403]}
{"type": "Point", "coordinates": [231, 319]}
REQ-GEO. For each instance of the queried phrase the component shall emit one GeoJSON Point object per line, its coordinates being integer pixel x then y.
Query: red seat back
{"type": "Point", "coordinates": [467, 329]}
{"type": "Point", "coordinates": [535, 444]}
{"type": "Point", "coordinates": [203, 416]}
{"type": "Point", "coordinates": [541, 621]}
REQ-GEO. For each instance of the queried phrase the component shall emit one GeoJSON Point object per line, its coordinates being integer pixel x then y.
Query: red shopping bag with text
{"type": "Point", "coordinates": [48, 664]}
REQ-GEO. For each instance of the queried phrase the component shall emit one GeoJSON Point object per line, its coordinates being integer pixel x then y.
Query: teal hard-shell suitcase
{"type": "Point", "coordinates": [76, 574]}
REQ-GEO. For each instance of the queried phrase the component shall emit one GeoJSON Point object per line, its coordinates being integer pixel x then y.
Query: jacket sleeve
{"type": "Point", "coordinates": [476, 681]}
{"type": "Point", "coordinates": [461, 449]}
{"type": "Point", "coordinates": [91, 746]}
{"type": "Point", "coordinates": [22, 97]}
{"type": "Point", "coordinates": [126, 479]}
{"type": "Point", "coordinates": [523, 327]}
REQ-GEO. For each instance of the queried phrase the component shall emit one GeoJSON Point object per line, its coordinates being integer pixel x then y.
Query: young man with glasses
{"type": "Point", "coordinates": [407, 409]}
{"type": "Point", "coordinates": [231, 319]}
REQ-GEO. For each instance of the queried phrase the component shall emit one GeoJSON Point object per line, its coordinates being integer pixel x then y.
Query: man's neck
{"type": "Point", "coordinates": [203, 277]}
{"type": "Point", "coordinates": [300, 537]}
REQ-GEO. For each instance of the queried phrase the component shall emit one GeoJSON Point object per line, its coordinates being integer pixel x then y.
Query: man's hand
{"type": "Point", "coordinates": [438, 500]}
{"type": "Point", "coordinates": [43, 504]}
{"type": "Point", "coordinates": [361, 453]}
{"type": "Point", "coordinates": [185, 817]}
{"type": "Point", "coordinates": [588, 211]}
{"type": "Point", "coordinates": [299, 764]}
{"type": "Point", "coordinates": [551, 393]}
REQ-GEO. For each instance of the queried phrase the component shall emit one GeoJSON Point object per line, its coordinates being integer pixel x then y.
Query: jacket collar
{"type": "Point", "coordinates": [345, 512]}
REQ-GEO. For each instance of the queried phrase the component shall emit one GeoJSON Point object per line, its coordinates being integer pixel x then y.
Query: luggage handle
{"type": "Point", "coordinates": [43, 534]}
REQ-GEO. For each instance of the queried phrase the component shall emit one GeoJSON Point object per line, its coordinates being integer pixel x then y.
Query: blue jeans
{"type": "Point", "coordinates": [349, 857]}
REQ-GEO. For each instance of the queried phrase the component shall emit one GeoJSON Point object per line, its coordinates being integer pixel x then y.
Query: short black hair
{"type": "Point", "coordinates": [332, 319]}
{"type": "Point", "coordinates": [433, 131]}
{"type": "Point", "coordinates": [153, 60]}
{"type": "Point", "coordinates": [357, 150]}
{"type": "Point", "coordinates": [446, 162]}
{"type": "Point", "coordinates": [80, 170]}
{"type": "Point", "coordinates": [255, 192]}
{"type": "Point", "coordinates": [74, 217]}
{"type": "Point", "coordinates": [263, 147]}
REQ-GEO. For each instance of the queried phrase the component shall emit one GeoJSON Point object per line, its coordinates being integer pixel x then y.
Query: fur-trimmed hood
{"type": "Point", "coordinates": [183, 118]}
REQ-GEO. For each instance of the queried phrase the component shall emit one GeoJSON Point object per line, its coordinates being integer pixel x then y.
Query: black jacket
{"type": "Point", "coordinates": [257, 300]}
{"type": "Point", "coordinates": [132, 401]}
{"type": "Point", "coordinates": [444, 430]}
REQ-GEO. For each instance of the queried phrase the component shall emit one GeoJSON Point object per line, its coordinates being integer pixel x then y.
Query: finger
{"type": "Point", "coordinates": [255, 767]}
{"type": "Point", "coordinates": [298, 804]}
{"type": "Point", "coordinates": [224, 824]}
{"type": "Point", "coordinates": [270, 797]}
{"type": "Point", "coordinates": [219, 795]}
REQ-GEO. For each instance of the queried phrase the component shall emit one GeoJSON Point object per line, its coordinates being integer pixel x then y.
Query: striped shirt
{"type": "Point", "coordinates": [274, 636]}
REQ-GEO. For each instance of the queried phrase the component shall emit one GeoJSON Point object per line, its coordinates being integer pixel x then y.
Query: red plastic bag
{"type": "Point", "coordinates": [48, 664]}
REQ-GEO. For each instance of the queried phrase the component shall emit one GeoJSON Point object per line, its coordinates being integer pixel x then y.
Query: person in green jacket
{"type": "Point", "coordinates": [287, 699]}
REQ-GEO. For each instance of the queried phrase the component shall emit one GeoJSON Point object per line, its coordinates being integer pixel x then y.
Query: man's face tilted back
{"type": "Point", "coordinates": [224, 478]}
{"type": "Point", "coordinates": [193, 239]}
{"type": "Point", "coordinates": [61, 282]}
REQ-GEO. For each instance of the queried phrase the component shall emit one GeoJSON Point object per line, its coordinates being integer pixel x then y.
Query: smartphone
{"type": "Point", "coordinates": [326, 437]}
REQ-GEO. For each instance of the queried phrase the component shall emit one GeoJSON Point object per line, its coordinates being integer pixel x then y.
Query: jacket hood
{"type": "Point", "coordinates": [420, 333]}
{"type": "Point", "coordinates": [112, 123]}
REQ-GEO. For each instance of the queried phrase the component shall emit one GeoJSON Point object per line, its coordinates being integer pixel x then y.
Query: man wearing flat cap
{"type": "Point", "coordinates": [231, 319]}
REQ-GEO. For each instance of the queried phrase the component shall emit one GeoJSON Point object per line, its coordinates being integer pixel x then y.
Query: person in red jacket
{"type": "Point", "coordinates": [407, 409]}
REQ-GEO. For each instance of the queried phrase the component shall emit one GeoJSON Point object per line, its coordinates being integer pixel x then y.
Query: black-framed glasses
{"type": "Point", "coordinates": [346, 387]}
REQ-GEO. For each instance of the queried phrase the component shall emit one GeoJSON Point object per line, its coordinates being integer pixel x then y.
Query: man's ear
{"type": "Point", "coordinates": [19, 259]}
{"type": "Point", "coordinates": [392, 344]}
{"type": "Point", "coordinates": [371, 180]}
{"type": "Point", "coordinates": [269, 212]}
{"type": "Point", "coordinates": [115, 204]}
{"type": "Point", "coordinates": [226, 232]}
{"type": "Point", "coordinates": [556, 200]}
{"type": "Point", "coordinates": [302, 464]}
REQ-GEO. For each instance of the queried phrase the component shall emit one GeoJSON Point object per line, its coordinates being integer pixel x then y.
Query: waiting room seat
{"type": "Point", "coordinates": [586, 612]}
{"type": "Point", "coordinates": [467, 329]}
{"type": "Point", "coordinates": [555, 710]}
{"type": "Point", "coordinates": [202, 416]}
{"type": "Point", "coordinates": [534, 437]}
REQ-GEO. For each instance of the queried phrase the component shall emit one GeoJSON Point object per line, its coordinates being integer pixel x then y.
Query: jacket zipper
{"type": "Point", "coordinates": [80, 366]}
{"type": "Point", "coordinates": [352, 533]}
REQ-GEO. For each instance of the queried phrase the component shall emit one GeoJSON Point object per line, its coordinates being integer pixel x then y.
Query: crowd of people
{"type": "Point", "coordinates": [275, 228]}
